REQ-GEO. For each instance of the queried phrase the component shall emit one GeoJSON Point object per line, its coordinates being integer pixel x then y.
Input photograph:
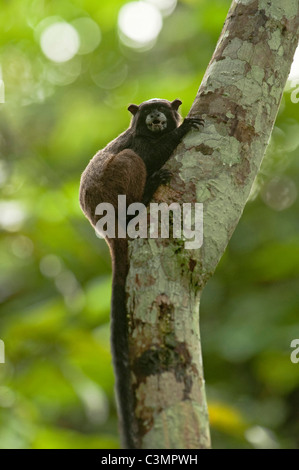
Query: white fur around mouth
{"type": "Point", "coordinates": [156, 121]}
{"type": "Point", "coordinates": [156, 127]}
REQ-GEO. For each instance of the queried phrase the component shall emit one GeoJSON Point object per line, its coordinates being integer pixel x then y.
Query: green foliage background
{"type": "Point", "coordinates": [56, 386]}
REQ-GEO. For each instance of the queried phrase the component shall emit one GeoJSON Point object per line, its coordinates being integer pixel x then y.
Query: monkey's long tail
{"type": "Point", "coordinates": [120, 342]}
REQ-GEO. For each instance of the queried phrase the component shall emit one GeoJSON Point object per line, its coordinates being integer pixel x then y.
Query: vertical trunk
{"type": "Point", "coordinates": [239, 99]}
{"type": "Point", "coordinates": [166, 367]}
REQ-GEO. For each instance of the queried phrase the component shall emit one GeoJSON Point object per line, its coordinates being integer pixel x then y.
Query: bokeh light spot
{"type": "Point", "coordinates": [60, 41]}
{"type": "Point", "coordinates": [165, 6]}
{"type": "Point", "coordinates": [111, 77]}
{"type": "Point", "coordinates": [63, 73]}
{"type": "Point", "coordinates": [261, 438]}
{"type": "Point", "coordinates": [139, 24]}
{"type": "Point", "coordinates": [12, 215]}
{"type": "Point", "coordinates": [22, 246]}
{"type": "Point", "coordinates": [294, 72]}
{"type": "Point", "coordinates": [279, 193]}
{"type": "Point", "coordinates": [90, 34]}
{"type": "Point", "coordinates": [50, 265]}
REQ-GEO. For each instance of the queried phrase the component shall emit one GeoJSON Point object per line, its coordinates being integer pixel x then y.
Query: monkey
{"type": "Point", "coordinates": [131, 165]}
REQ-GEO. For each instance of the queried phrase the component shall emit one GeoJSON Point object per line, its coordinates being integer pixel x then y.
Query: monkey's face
{"type": "Point", "coordinates": [156, 121]}
{"type": "Point", "coordinates": [155, 116]}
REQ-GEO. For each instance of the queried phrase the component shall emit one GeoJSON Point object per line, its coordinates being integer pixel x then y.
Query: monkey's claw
{"type": "Point", "coordinates": [196, 122]}
{"type": "Point", "coordinates": [164, 175]}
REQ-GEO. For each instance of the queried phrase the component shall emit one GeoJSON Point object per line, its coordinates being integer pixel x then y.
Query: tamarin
{"type": "Point", "coordinates": [131, 165]}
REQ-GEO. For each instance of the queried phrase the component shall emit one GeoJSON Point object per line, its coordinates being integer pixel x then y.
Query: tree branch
{"type": "Point", "coordinates": [239, 98]}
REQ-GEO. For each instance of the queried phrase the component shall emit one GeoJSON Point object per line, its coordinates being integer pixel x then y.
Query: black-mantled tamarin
{"type": "Point", "coordinates": [131, 165]}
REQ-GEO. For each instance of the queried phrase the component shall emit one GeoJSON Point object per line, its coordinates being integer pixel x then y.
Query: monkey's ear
{"type": "Point", "coordinates": [175, 104]}
{"type": "Point", "coordinates": [133, 108]}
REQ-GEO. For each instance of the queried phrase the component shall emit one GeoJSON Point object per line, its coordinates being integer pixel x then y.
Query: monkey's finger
{"type": "Point", "coordinates": [164, 175]}
{"type": "Point", "coordinates": [196, 122]}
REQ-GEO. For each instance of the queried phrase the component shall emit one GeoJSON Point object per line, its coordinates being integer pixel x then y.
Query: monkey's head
{"type": "Point", "coordinates": [155, 116]}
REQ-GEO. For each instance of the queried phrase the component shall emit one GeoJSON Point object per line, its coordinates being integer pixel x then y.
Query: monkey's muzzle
{"type": "Point", "coordinates": [156, 121]}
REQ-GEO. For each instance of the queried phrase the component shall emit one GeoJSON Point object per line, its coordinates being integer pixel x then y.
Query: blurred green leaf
{"type": "Point", "coordinates": [55, 438]}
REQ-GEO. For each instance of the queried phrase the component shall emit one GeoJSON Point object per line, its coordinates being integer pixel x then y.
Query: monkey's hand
{"type": "Point", "coordinates": [193, 123]}
{"type": "Point", "coordinates": [163, 176]}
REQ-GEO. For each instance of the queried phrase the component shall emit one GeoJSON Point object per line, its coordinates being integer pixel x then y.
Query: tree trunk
{"type": "Point", "coordinates": [239, 98]}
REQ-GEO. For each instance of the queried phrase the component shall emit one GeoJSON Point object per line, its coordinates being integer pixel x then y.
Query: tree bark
{"type": "Point", "coordinates": [239, 98]}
